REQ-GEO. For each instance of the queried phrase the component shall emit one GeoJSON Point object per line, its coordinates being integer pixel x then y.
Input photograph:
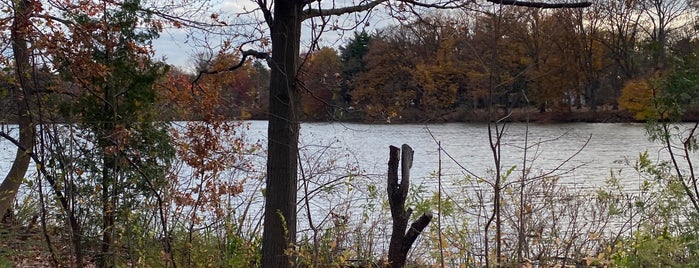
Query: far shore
{"type": "Point", "coordinates": [517, 115]}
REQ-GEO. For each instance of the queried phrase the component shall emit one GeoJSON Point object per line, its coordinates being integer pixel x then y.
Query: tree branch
{"type": "Point", "coordinates": [317, 12]}
{"type": "Point", "coordinates": [311, 12]}
{"type": "Point", "coordinates": [415, 230]}
{"type": "Point", "coordinates": [440, 5]}
{"type": "Point", "coordinates": [265, 12]}
{"type": "Point", "coordinates": [245, 55]}
{"type": "Point", "coordinates": [541, 4]}
{"type": "Point", "coordinates": [181, 19]}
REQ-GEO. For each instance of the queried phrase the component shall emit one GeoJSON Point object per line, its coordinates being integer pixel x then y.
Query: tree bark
{"type": "Point", "coordinates": [109, 196]}
{"type": "Point", "coordinates": [21, 93]}
{"type": "Point", "coordinates": [283, 132]}
{"type": "Point", "coordinates": [397, 192]}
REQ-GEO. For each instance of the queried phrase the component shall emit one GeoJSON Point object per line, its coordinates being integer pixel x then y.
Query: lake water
{"type": "Point", "coordinates": [596, 148]}
{"type": "Point", "coordinates": [611, 147]}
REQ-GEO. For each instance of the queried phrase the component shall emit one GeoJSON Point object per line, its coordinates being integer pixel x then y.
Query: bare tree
{"type": "Point", "coordinates": [662, 18]}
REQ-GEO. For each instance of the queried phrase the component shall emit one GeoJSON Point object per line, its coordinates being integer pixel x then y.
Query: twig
{"type": "Point", "coordinates": [540, 4]}
{"type": "Point", "coordinates": [75, 227]}
{"type": "Point", "coordinates": [245, 55]}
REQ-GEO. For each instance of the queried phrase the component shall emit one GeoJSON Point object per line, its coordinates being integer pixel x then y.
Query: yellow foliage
{"type": "Point", "coordinates": [637, 97]}
{"type": "Point", "coordinates": [245, 114]}
{"type": "Point", "coordinates": [439, 80]}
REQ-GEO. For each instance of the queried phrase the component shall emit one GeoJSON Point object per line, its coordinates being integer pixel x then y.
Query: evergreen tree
{"type": "Point", "coordinates": [352, 58]}
{"type": "Point", "coordinates": [126, 151]}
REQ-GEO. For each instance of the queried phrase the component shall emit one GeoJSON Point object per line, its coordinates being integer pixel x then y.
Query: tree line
{"type": "Point", "coordinates": [560, 60]}
{"type": "Point", "coordinates": [435, 68]}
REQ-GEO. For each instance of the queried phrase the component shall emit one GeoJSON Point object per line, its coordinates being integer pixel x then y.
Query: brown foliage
{"type": "Point", "coordinates": [321, 80]}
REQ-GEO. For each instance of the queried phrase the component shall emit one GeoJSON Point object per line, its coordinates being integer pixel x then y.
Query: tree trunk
{"type": "Point", "coordinates": [21, 93]}
{"type": "Point", "coordinates": [397, 192]}
{"type": "Point", "coordinates": [283, 133]}
{"type": "Point", "coordinates": [109, 175]}
{"type": "Point", "coordinates": [591, 93]}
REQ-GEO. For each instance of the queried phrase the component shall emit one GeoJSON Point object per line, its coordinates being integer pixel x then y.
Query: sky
{"type": "Point", "coordinates": [174, 48]}
{"type": "Point", "coordinates": [179, 46]}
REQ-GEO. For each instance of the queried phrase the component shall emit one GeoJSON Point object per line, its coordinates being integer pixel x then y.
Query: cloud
{"type": "Point", "coordinates": [235, 7]}
{"type": "Point", "coordinates": [174, 48]}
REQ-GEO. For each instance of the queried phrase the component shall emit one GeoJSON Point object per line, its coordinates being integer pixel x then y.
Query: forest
{"type": "Point", "coordinates": [595, 64]}
{"type": "Point", "coordinates": [111, 157]}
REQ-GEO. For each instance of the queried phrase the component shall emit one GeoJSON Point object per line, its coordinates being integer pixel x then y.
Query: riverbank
{"type": "Point", "coordinates": [518, 115]}
{"type": "Point", "coordinates": [534, 116]}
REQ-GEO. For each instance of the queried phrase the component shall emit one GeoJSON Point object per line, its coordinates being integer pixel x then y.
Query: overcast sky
{"type": "Point", "coordinates": [173, 48]}
{"type": "Point", "coordinates": [179, 46]}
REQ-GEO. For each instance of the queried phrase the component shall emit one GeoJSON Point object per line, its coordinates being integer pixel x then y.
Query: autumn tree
{"type": "Point", "coordinates": [212, 165]}
{"type": "Point", "coordinates": [352, 58]}
{"type": "Point", "coordinates": [387, 86]}
{"type": "Point", "coordinates": [555, 75]}
{"type": "Point", "coordinates": [439, 72]}
{"type": "Point", "coordinates": [661, 21]}
{"type": "Point", "coordinates": [237, 89]}
{"type": "Point", "coordinates": [476, 70]}
{"type": "Point", "coordinates": [620, 37]}
{"type": "Point", "coordinates": [321, 78]}
{"type": "Point", "coordinates": [637, 98]}
{"type": "Point", "coordinates": [582, 59]}
{"type": "Point", "coordinates": [495, 71]}
{"type": "Point", "coordinates": [23, 92]}
{"type": "Point", "coordinates": [584, 29]}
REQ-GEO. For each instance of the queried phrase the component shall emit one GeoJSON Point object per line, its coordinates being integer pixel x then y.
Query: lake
{"type": "Point", "coordinates": [582, 154]}
{"type": "Point", "coordinates": [611, 147]}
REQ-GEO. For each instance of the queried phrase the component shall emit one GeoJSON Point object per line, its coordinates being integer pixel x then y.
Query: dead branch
{"type": "Point", "coordinates": [397, 193]}
{"type": "Point", "coordinates": [541, 4]}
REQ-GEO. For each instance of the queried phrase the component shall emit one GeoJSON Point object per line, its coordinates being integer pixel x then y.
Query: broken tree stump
{"type": "Point", "coordinates": [401, 241]}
